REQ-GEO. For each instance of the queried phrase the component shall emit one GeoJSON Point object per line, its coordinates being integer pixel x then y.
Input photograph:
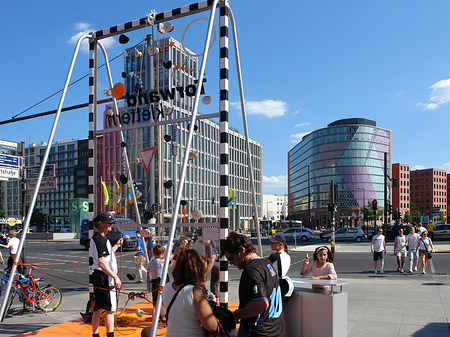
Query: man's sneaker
{"type": "Point", "coordinates": [402, 271]}
{"type": "Point", "coordinates": [398, 269]}
{"type": "Point", "coordinates": [381, 272]}
{"type": "Point", "coordinates": [415, 268]}
{"type": "Point", "coordinates": [410, 271]}
{"type": "Point", "coordinates": [375, 271]}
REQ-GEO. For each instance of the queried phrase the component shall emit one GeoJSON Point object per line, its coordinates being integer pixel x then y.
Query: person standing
{"type": "Point", "coordinates": [424, 246]}
{"type": "Point", "coordinates": [413, 256]}
{"type": "Point", "coordinates": [13, 245]}
{"type": "Point", "coordinates": [378, 249]}
{"type": "Point", "coordinates": [260, 302]}
{"type": "Point", "coordinates": [430, 229]}
{"type": "Point", "coordinates": [401, 242]}
{"type": "Point", "coordinates": [279, 245]}
{"type": "Point", "coordinates": [212, 260]}
{"type": "Point", "coordinates": [104, 277]}
{"type": "Point", "coordinates": [139, 257]}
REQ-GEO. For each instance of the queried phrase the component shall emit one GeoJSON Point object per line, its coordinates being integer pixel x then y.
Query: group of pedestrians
{"type": "Point", "coordinates": [189, 309]}
{"type": "Point", "coordinates": [415, 246]}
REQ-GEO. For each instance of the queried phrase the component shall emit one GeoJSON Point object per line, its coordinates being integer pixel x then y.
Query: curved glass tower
{"type": "Point", "coordinates": [349, 152]}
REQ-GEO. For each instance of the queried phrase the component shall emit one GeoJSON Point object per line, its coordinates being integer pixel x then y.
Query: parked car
{"type": "Point", "coordinates": [301, 233]}
{"type": "Point", "coordinates": [325, 231]}
{"type": "Point", "coordinates": [129, 234]}
{"type": "Point", "coordinates": [441, 232]}
{"type": "Point", "coordinates": [346, 233]}
{"type": "Point", "coordinates": [390, 232]}
{"type": "Point", "coordinates": [262, 231]}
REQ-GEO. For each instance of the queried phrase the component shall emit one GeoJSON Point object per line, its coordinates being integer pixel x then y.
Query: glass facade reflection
{"type": "Point", "coordinates": [349, 152]}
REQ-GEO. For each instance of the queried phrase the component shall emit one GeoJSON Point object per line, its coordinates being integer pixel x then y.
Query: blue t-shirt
{"type": "Point", "coordinates": [155, 268]}
{"type": "Point", "coordinates": [140, 246]}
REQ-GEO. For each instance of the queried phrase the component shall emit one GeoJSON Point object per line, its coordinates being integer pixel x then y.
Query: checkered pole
{"type": "Point", "coordinates": [92, 147]}
{"type": "Point", "coordinates": [224, 148]}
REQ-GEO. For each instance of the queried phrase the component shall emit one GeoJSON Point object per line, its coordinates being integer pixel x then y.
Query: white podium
{"type": "Point", "coordinates": [311, 314]}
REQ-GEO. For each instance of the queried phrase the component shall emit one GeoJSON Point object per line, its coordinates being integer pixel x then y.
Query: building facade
{"type": "Point", "coordinates": [274, 207]}
{"type": "Point", "coordinates": [429, 190]}
{"type": "Point", "coordinates": [166, 129]}
{"type": "Point", "coordinates": [349, 152]}
{"type": "Point", "coordinates": [401, 192]}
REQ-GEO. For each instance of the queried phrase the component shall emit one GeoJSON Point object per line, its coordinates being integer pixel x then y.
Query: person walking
{"type": "Point", "coordinates": [424, 246]}
{"type": "Point", "coordinates": [413, 256]}
{"type": "Point", "coordinates": [139, 257]}
{"type": "Point", "coordinates": [13, 245]}
{"type": "Point", "coordinates": [401, 242]}
{"type": "Point", "coordinates": [430, 229]}
{"type": "Point", "coordinates": [104, 277]}
{"type": "Point", "coordinates": [260, 302]}
{"type": "Point", "coordinates": [212, 260]}
{"type": "Point", "coordinates": [378, 249]}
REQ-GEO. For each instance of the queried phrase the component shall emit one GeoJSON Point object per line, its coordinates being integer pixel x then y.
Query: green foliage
{"type": "Point", "coordinates": [407, 218]}
{"type": "Point", "coordinates": [2, 214]}
{"type": "Point", "coordinates": [415, 213]}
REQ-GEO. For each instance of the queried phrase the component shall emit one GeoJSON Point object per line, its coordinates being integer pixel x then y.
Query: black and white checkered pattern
{"type": "Point", "coordinates": [91, 147]}
{"type": "Point", "coordinates": [159, 18]}
{"type": "Point", "coordinates": [224, 148]}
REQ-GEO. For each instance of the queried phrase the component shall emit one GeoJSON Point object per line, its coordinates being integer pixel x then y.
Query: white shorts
{"type": "Point", "coordinates": [401, 253]}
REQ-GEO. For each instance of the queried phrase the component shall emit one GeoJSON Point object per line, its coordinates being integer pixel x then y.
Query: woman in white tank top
{"type": "Point", "coordinates": [190, 313]}
{"type": "Point", "coordinates": [424, 245]}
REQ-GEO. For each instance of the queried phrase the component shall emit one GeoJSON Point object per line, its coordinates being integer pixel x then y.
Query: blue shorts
{"type": "Point", "coordinates": [412, 254]}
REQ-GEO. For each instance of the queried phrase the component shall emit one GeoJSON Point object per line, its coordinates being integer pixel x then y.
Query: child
{"type": "Point", "coordinates": [156, 268]}
{"type": "Point", "coordinates": [322, 268]}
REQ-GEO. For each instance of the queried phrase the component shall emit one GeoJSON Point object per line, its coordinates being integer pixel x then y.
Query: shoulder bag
{"type": "Point", "coordinates": [429, 255]}
{"type": "Point", "coordinates": [173, 299]}
{"type": "Point", "coordinates": [284, 283]}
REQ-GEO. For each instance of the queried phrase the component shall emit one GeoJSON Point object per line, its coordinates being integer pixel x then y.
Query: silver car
{"type": "Point", "coordinates": [347, 233]}
{"type": "Point", "coordinates": [442, 232]}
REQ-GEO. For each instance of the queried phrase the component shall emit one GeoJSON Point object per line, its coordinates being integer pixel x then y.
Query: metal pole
{"type": "Point", "coordinates": [183, 171]}
{"type": "Point", "coordinates": [41, 173]}
{"type": "Point", "coordinates": [244, 120]}
{"type": "Point", "coordinates": [385, 189]}
{"type": "Point", "coordinates": [309, 198]}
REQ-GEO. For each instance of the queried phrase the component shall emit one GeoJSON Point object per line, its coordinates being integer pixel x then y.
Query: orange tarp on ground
{"type": "Point", "coordinates": [128, 324]}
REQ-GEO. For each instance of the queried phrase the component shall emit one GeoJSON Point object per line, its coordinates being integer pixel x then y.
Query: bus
{"type": "Point", "coordinates": [275, 226]}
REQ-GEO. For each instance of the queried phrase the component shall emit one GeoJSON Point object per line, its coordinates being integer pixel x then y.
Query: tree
{"type": "Point", "coordinates": [2, 214]}
{"type": "Point", "coordinates": [37, 219]}
{"type": "Point", "coordinates": [441, 217]}
{"type": "Point", "coordinates": [407, 217]}
{"type": "Point", "coordinates": [415, 213]}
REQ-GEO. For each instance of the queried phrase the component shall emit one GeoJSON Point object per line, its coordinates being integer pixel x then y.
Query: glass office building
{"type": "Point", "coordinates": [349, 152]}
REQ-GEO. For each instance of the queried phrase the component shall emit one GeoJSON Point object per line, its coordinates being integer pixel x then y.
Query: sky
{"type": "Point", "coordinates": [304, 64]}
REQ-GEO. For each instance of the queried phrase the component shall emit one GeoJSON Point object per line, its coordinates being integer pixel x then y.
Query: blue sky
{"type": "Point", "coordinates": [305, 64]}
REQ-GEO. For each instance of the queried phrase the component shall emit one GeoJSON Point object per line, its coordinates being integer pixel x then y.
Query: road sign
{"type": "Point", "coordinates": [46, 184]}
{"type": "Point", "coordinates": [33, 171]}
{"type": "Point", "coordinates": [6, 159]}
{"type": "Point", "coordinates": [9, 173]}
{"type": "Point", "coordinates": [435, 211]}
{"type": "Point", "coordinates": [7, 145]}
{"type": "Point", "coordinates": [147, 156]}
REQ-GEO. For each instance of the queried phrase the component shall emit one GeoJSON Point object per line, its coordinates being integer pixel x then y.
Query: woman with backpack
{"type": "Point", "coordinates": [281, 262]}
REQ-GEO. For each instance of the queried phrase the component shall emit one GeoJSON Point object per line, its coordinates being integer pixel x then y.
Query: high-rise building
{"type": "Point", "coordinates": [350, 152]}
{"type": "Point", "coordinates": [70, 160]}
{"type": "Point", "coordinates": [173, 87]}
{"type": "Point", "coordinates": [429, 190]}
{"type": "Point", "coordinates": [401, 192]}
{"type": "Point", "coordinates": [274, 207]}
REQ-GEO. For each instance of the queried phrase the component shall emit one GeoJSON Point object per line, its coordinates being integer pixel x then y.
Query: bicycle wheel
{"type": "Point", "coordinates": [8, 303]}
{"type": "Point", "coordinates": [53, 300]}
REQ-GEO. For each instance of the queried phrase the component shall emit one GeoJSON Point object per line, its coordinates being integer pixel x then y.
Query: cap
{"type": "Point", "coordinates": [278, 238]}
{"type": "Point", "coordinates": [105, 217]}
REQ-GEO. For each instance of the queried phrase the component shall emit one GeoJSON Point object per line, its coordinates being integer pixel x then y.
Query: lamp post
{"type": "Point", "coordinates": [309, 198]}
{"type": "Point", "coordinates": [267, 208]}
{"type": "Point", "coordinates": [364, 211]}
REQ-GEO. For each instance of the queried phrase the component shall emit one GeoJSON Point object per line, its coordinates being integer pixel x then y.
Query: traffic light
{"type": "Point", "coordinates": [394, 182]}
{"type": "Point", "coordinates": [390, 209]}
{"type": "Point", "coordinates": [374, 204]}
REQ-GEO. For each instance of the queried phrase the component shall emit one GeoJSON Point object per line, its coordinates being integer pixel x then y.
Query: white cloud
{"type": "Point", "coordinates": [440, 94]}
{"type": "Point", "coordinates": [297, 137]}
{"type": "Point", "coordinates": [268, 108]}
{"type": "Point", "coordinates": [296, 112]}
{"type": "Point", "coordinates": [275, 182]}
{"type": "Point", "coordinates": [84, 28]}
{"type": "Point", "coordinates": [446, 165]}
{"type": "Point", "coordinates": [302, 124]}
{"type": "Point", "coordinates": [417, 167]}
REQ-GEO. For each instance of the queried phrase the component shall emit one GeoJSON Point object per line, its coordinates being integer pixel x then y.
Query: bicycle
{"type": "Point", "coordinates": [32, 292]}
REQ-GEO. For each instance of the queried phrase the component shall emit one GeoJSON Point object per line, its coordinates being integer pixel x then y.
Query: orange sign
{"type": "Point", "coordinates": [117, 91]}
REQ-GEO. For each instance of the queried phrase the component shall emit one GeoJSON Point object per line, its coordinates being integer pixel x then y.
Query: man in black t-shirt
{"type": "Point", "coordinates": [104, 277]}
{"type": "Point", "coordinates": [260, 303]}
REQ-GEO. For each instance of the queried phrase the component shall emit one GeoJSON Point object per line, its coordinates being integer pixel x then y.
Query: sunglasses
{"type": "Point", "coordinates": [230, 258]}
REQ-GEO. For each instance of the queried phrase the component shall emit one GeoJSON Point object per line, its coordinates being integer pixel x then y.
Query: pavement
{"type": "Point", "coordinates": [378, 305]}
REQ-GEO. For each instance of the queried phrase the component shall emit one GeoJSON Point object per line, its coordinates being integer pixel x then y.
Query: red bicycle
{"type": "Point", "coordinates": [32, 292]}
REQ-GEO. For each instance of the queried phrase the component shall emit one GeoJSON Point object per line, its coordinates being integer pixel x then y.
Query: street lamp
{"type": "Point", "coordinates": [309, 198]}
{"type": "Point", "coordinates": [364, 205]}
{"type": "Point", "coordinates": [267, 209]}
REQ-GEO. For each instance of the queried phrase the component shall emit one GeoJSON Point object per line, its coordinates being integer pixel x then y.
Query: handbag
{"type": "Point", "coordinates": [225, 322]}
{"type": "Point", "coordinates": [429, 255]}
